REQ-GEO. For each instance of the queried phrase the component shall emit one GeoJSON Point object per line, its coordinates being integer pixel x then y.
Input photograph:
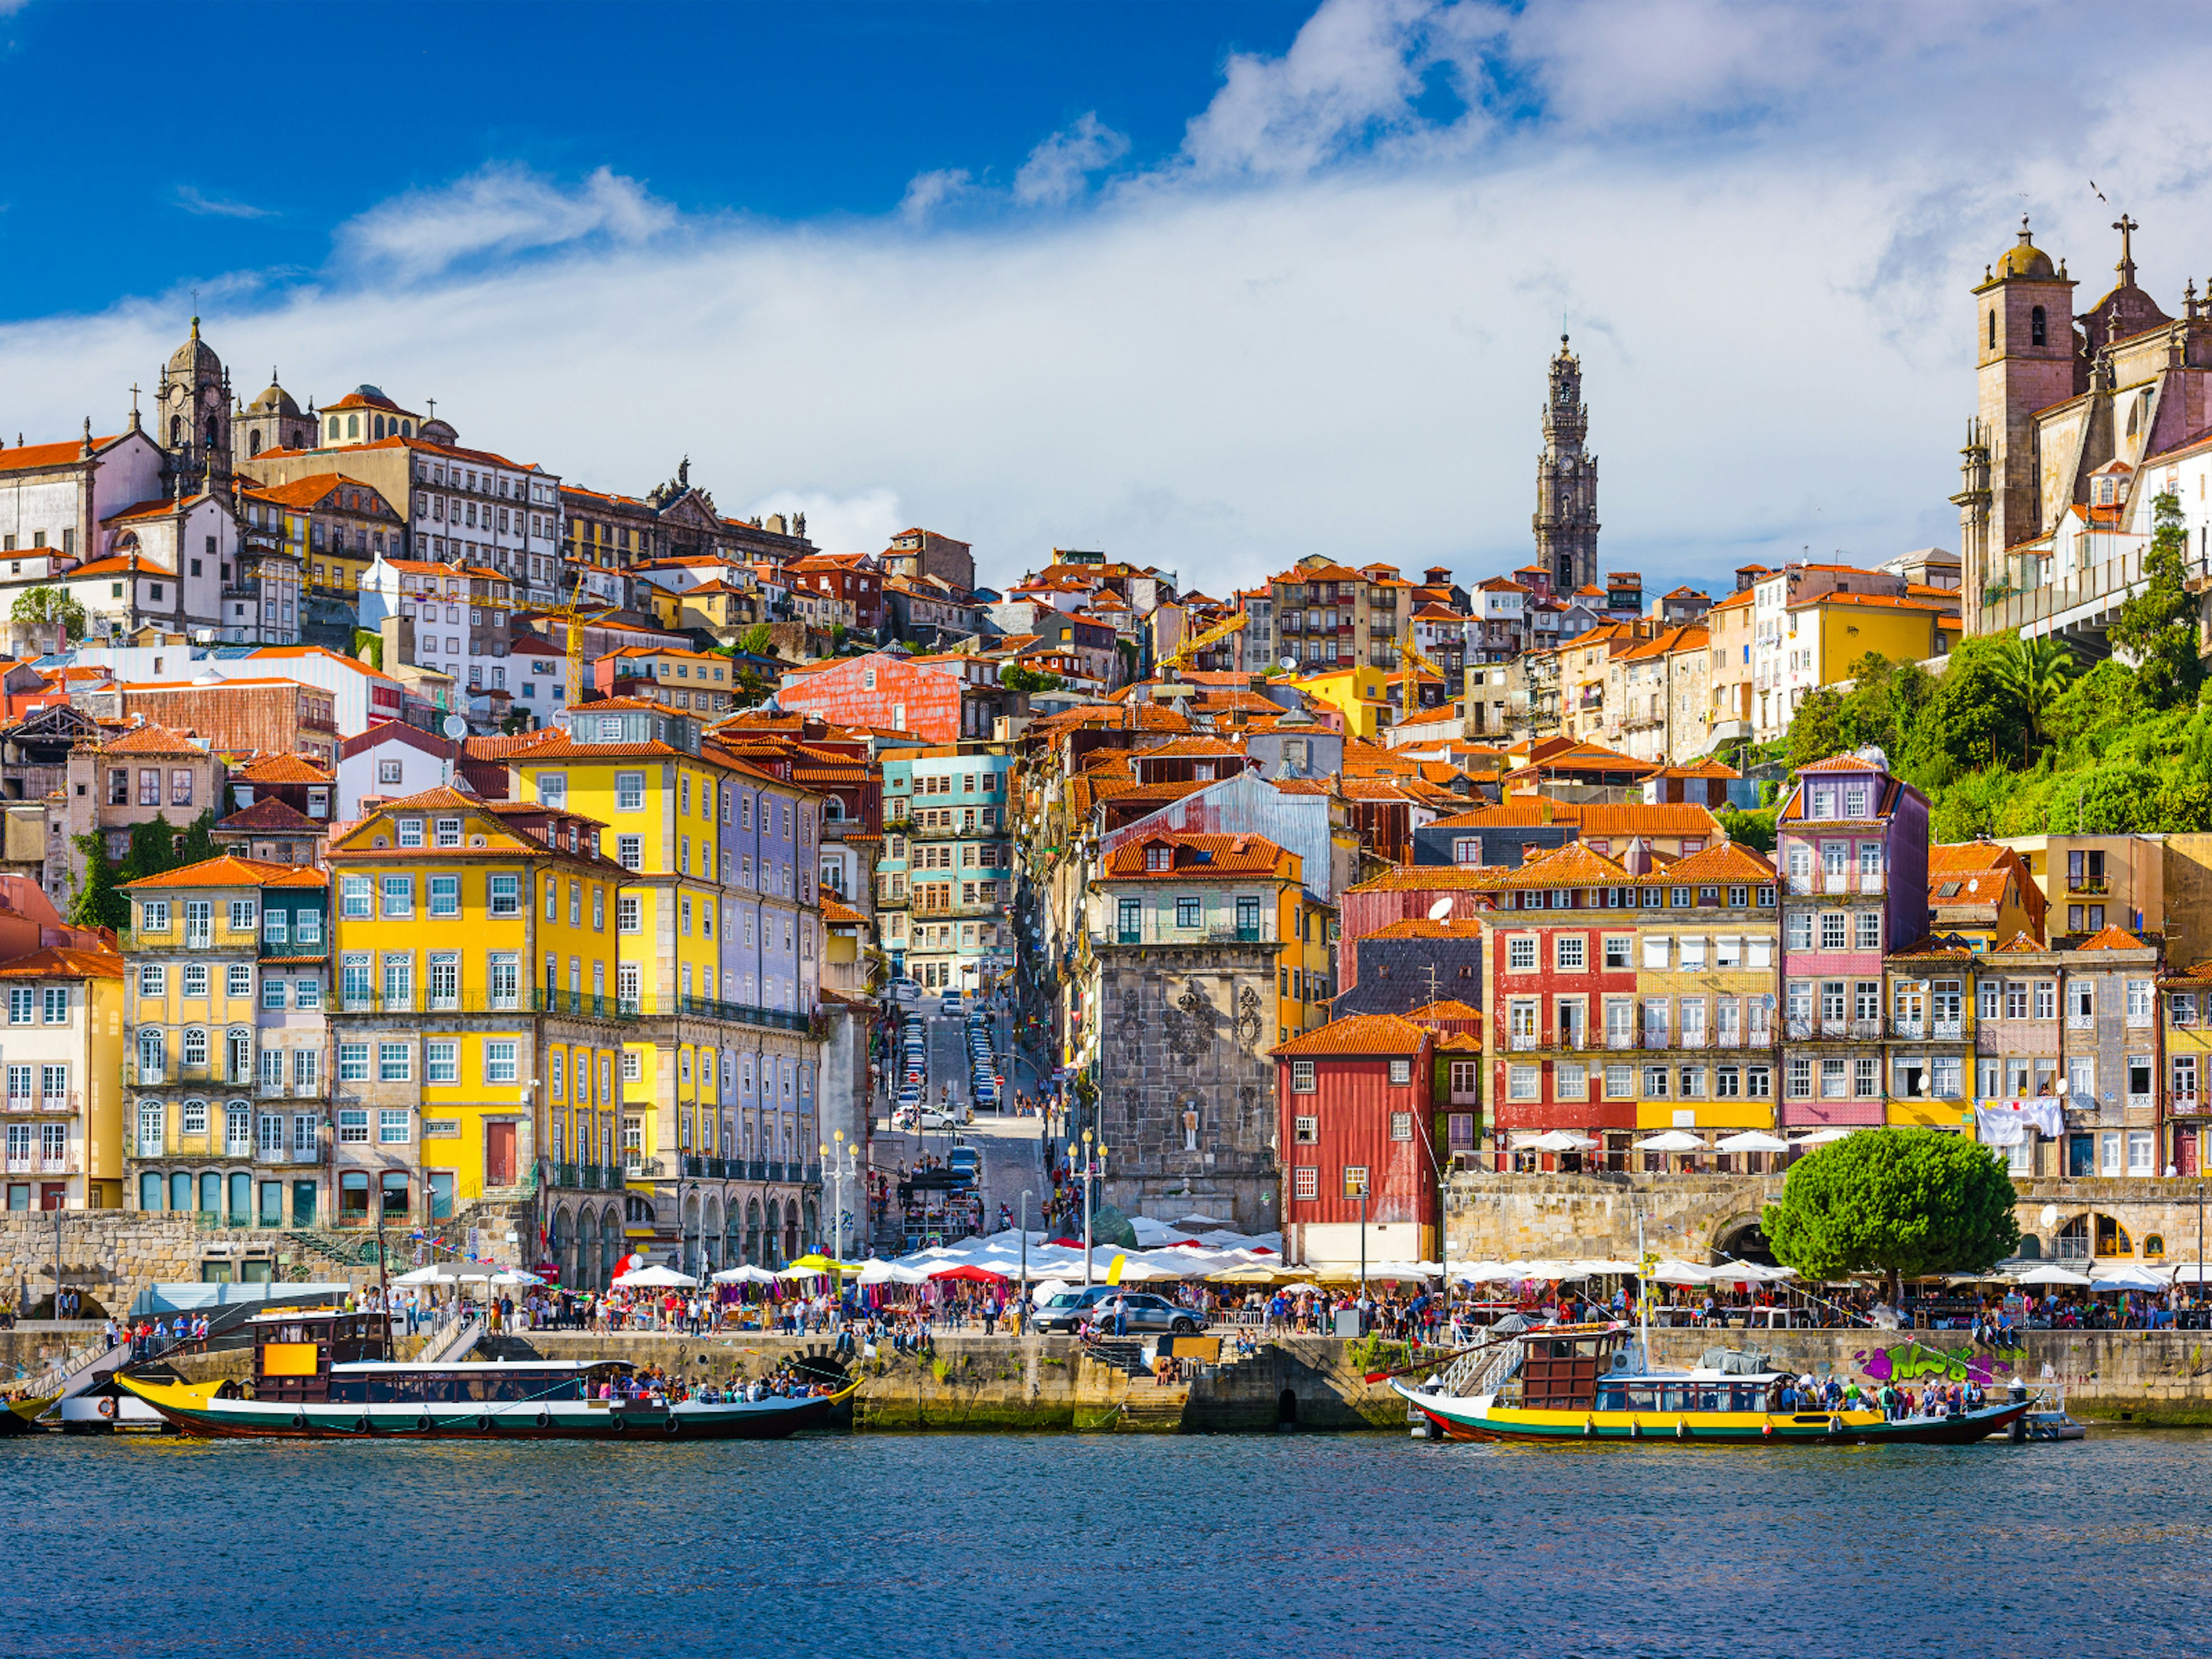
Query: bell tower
{"type": "Point", "coordinates": [2025, 359]}
{"type": "Point", "coordinates": [192, 418]}
{"type": "Point", "coordinates": [1565, 521]}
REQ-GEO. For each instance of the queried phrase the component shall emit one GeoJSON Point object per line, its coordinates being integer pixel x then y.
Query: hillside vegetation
{"type": "Point", "coordinates": [2019, 737]}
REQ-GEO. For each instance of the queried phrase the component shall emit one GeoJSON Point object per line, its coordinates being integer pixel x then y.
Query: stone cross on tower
{"type": "Point", "coordinates": [2126, 267]}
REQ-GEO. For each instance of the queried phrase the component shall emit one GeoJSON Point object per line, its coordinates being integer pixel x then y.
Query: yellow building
{"type": "Point", "coordinates": [65, 1144]}
{"type": "Point", "coordinates": [2187, 1017]}
{"type": "Point", "coordinates": [720, 941]}
{"type": "Point", "coordinates": [1365, 696]}
{"type": "Point", "coordinates": [1834, 630]}
{"type": "Point", "coordinates": [476, 1019]}
{"type": "Point", "coordinates": [226, 1050]}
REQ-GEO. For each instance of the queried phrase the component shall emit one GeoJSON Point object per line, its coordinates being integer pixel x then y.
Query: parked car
{"type": "Point", "coordinates": [905, 990]}
{"type": "Point", "coordinates": [937, 1117]}
{"type": "Point", "coordinates": [1145, 1313]}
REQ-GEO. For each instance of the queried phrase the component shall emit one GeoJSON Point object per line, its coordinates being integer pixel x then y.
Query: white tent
{"type": "Point", "coordinates": [1553, 1140]}
{"type": "Point", "coordinates": [751, 1275]}
{"type": "Point", "coordinates": [1597, 1266]}
{"type": "Point", "coordinates": [2127, 1277]}
{"type": "Point", "coordinates": [2185, 1273]}
{"type": "Point", "coordinates": [1671, 1140]}
{"type": "Point", "coordinates": [514, 1276]}
{"type": "Point", "coordinates": [1824, 1137]}
{"type": "Point", "coordinates": [1752, 1141]}
{"type": "Point", "coordinates": [1679, 1273]}
{"type": "Point", "coordinates": [1199, 1223]}
{"type": "Point", "coordinates": [451, 1272]}
{"type": "Point", "coordinates": [655, 1278]}
{"type": "Point", "coordinates": [2050, 1274]}
{"type": "Point", "coordinates": [1482, 1273]}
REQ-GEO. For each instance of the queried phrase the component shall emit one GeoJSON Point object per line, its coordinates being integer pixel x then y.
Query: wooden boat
{"type": "Point", "coordinates": [327, 1375]}
{"type": "Point", "coordinates": [21, 1414]}
{"type": "Point", "coordinates": [1582, 1382]}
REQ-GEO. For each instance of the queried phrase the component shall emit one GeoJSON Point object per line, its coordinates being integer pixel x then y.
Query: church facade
{"type": "Point", "coordinates": [2080, 421]}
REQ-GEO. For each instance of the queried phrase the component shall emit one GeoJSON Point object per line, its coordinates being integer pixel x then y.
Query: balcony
{"type": "Point", "coordinates": [2081, 1022]}
{"type": "Point", "coordinates": [189, 936]}
{"type": "Point", "coordinates": [173, 1076]}
{"type": "Point", "coordinates": [583, 1005]}
{"type": "Point", "coordinates": [2184, 1105]}
{"type": "Point", "coordinates": [2094, 886]}
{"type": "Point", "coordinates": [57, 1103]}
{"type": "Point", "coordinates": [1523, 1043]}
{"type": "Point", "coordinates": [1912, 1030]}
{"type": "Point", "coordinates": [21, 1103]}
{"type": "Point", "coordinates": [1952, 1030]}
{"type": "Point", "coordinates": [1619, 1039]}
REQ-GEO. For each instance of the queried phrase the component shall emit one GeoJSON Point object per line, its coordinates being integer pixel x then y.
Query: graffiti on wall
{"type": "Point", "coordinates": [1905, 1361]}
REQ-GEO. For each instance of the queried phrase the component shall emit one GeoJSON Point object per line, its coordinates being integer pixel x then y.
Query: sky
{"type": "Point", "coordinates": [1209, 286]}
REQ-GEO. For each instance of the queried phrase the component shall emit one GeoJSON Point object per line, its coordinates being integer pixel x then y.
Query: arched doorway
{"type": "Point", "coordinates": [1746, 1242]}
{"type": "Point", "coordinates": [733, 1241]}
{"type": "Point", "coordinates": [611, 1243]}
{"type": "Point", "coordinates": [811, 1236]}
{"type": "Point", "coordinates": [791, 1250]}
{"type": "Point", "coordinates": [588, 1252]}
{"type": "Point", "coordinates": [564, 1246]}
{"type": "Point", "coordinates": [691, 1225]}
{"type": "Point", "coordinates": [710, 1235]}
{"type": "Point", "coordinates": [752, 1229]}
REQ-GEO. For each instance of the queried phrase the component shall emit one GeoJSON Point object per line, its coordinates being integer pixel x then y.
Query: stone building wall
{"type": "Point", "coordinates": [1186, 1092]}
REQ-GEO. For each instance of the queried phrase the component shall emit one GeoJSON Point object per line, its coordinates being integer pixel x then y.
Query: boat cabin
{"type": "Point", "coordinates": [1697, 1392]}
{"type": "Point", "coordinates": [458, 1382]}
{"type": "Point", "coordinates": [1560, 1367]}
{"type": "Point", "coordinates": [295, 1348]}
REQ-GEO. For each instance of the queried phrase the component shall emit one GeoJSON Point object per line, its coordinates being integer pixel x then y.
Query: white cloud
{"type": "Point", "coordinates": [500, 209]}
{"type": "Point", "coordinates": [925, 192]}
{"type": "Point", "coordinates": [1058, 169]}
{"type": "Point", "coordinates": [192, 201]}
{"type": "Point", "coordinates": [1323, 327]}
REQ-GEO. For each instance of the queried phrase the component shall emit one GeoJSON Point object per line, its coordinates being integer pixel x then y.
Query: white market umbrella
{"type": "Point", "coordinates": [515, 1276]}
{"type": "Point", "coordinates": [656, 1277]}
{"type": "Point", "coordinates": [428, 1275]}
{"type": "Point", "coordinates": [2126, 1278]}
{"type": "Point", "coordinates": [1199, 1223]}
{"type": "Point", "coordinates": [1671, 1140]}
{"type": "Point", "coordinates": [1679, 1273]}
{"type": "Point", "coordinates": [451, 1272]}
{"type": "Point", "coordinates": [2052, 1275]}
{"type": "Point", "coordinates": [1824, 1137]}
{"type": "Point", "coordinates": [2186, 1272]}
{"type": "Point", "coordinates": [1602, 1265]}
{"type": "Point", "coordinates": [1752, 1141]}
{"type": "Point", "coordinates": [1549, 1269]}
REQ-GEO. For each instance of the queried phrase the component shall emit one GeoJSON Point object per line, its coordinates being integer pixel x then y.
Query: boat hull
{"type": "Point", "coordinates": [199, 1410]}
{"type": "Point", "coordinates": [1458, 1419]}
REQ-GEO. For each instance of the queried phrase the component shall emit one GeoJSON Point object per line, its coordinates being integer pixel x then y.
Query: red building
{"type": "Point", "coordinates": [944, 700]}
{"type": "Point", "coordinates": [1353, 1100]}
{"type": "Point", "coordinates": [850, 579]}
{"type": "Point", "coordinates": [1407, 893]}
{"type": "Point", "coordinates": [1547, 954]}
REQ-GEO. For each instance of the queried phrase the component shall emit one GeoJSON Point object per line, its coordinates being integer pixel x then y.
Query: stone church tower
{"type": "Point", "coordinates": [1566, 483]}
{"type": "Point", "coordinates": [192, 418]}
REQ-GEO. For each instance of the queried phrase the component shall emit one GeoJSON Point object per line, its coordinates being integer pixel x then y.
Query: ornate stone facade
{"type": "Point", "coordinates": [1566, 483]}
{"type": "Point", "coordinates": [1186, 1105]}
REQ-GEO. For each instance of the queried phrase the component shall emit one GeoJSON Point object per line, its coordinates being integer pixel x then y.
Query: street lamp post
{"type": "Point", "coordinates": [1089, 1169]}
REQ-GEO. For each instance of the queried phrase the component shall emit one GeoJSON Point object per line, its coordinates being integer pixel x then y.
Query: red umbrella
{"type": "Point", "coordinates": [972, 1274]}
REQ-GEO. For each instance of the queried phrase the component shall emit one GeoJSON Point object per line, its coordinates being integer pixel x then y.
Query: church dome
{"type": "Point", "coordinates": [274, 401]}
{"type": "Point", "coordinates": [2024, 258]}
{"type": "Point", "coordinates": [188, 359]}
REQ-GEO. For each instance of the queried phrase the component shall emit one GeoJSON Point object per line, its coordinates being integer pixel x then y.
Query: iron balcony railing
{"type": "Point", "coordinates": [182, 936]}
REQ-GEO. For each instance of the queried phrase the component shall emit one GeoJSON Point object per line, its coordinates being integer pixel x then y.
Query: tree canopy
{"type": "Point", "coordinates": [46, 602]}
{"type": "Point", "coordinates": [1905, 1202]}
{"type": "Point", "coordinates": [1015, 678]}
{"type": "Point", "coordinates": [2158, 627]}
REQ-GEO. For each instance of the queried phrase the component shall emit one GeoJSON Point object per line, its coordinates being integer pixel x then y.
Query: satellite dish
{"type": "Point", "coordinates": [2050, 1215]}
{"type": "Point", "coordinates": [1441, 910]}
{"type": "Point", "coordinates": [1288, 662]}
{"type": "Point", "coordinates": [455, 728]}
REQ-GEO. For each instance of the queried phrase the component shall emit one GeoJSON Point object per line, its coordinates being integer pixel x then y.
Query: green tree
{"type": "Point", "coordinates": [1015, 678]}
{"type": "Point", "coordinates": [1816, 729]}
{"type": "Point", "coordinates": [1755, 829]}
{"type": "Point", "coordinates": [1968, 721]}
{"type": "Point", "coordinates": [368, 646]}
{"type": "Point", "coordinates": [153, 850]}
{"type": "Point", "coordinates": [96, 903]}
{"type": "Point", "coordinates": [2158, 627]}
{"type": "Point", "coordinates": [757, 641]}
{"type": "Point", "coordinates": [48, 604]}
{"type": "Point", "coordinates": [2034, 673]}
{"type": "Point", "coordinates": [1904, 1202]}
{"type": "Point", "coordinates": [195, 844]}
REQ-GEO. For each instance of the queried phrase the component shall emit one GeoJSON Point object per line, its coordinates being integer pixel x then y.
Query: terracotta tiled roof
{"type": "Point", "coordinates": [843, 915]}
{"type": "Point", "coordinates": [2019, 941]}
{"type": "Point", "coordinates": [60, 962]}
{"type": "Point", "coordinates": [1197, 855]}
{"type": "Point", "coordinates": [226, 870]}
{"type": "Point", "coordinates": [1571, 865]}
{"type": "Point", "coordinates": [1446, 1008]}
{"type": "Point", "coordinates": [1421, 927]}
{"type": "Point", "coordinates": [1359, 1034]}
{"type": "Point", "coordinates": [151, 740]}
{"type": "Point", "coordinates": [283, 769]}
{"type": "Point", "coordinates": [1731, 861]}
{"type": "Point", "coordinates": [2112, 938]}
{"type": "Point", "coordinates": [1426, 877]}
{"type": "Point", "coordinates": [275, 816]}
{"type": "Point", "coordinates": [1838, 763]}
{"type": "Point", "coordinates": [1935, 947]}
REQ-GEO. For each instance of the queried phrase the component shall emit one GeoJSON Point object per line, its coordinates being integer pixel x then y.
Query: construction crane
{"type": "Point", "coordinates": [578, 617]}
{"type": "Point", "coordinates": [1184, 654]}
{"type": "Point", "coordinates": [1411, 661]}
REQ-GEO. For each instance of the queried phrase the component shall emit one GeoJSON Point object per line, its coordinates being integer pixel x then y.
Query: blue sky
{"type": "Point", "coordinates": [1209, 286]}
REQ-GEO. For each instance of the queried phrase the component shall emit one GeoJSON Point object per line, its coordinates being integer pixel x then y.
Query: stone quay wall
{"type": "Point", "coordinates": [1499, 1217]}
{"type": "Point", "coordinates": [992, 1384]}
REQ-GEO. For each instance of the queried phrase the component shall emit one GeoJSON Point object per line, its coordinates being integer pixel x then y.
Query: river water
{"type": "Point", "coordinates": [1082, 1545]}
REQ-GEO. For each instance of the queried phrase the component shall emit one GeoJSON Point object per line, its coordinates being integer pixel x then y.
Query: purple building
{"type": "Point", "coordinates": [1852, 843]}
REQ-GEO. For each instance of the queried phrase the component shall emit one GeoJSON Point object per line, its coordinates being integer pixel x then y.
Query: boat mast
{"type": "Point", "coordinates": [1644, 1289]}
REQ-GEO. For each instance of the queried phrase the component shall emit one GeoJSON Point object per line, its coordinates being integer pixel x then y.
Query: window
{"type": "Point", "coordinates": [1569, 951]}
{"type": "Point", "coordinates": [1800, 1080]}
{"type": "Point", "coordinates": [444, 896]}
{"type": "Point", "coordinates": [354, 896]}
{"type": "Point", "coordinates": [20, 1001]}
{"type": "Point", "coordinates": [628, 917]}
{"type": "Point", "coordinates": [449, 832]}
{"type": "Point", "coordinates": [1869, 930]}
{"type": "Point", "coordinates": [1834, 935]}
{"type": "Point", "coordinates": [392, 1126]}
{"type": "Point", "coordinates": [1305, 1182]}
{"type": "Point", "coordinates": [353, 1062]}
{"type": "Point", "coordinates": [307, 927]}
{"type": "Point", "coordinates": [194, 980]}
{"type": "Point", "coordinates": [553, 786]}
{"type": "Point", "coordinates": [1798, 925]}
{"type": "Point", "coordinates": [1305, 1131]}
{"type": "Point", "coordinates": [153, 916]}
{"type": "Point", "coordinates": [1654, 950]}
{"type": "Point", "coordinates": [272, 993]}
{"type": "Point", "coordinates": [1521, 953]}
{"type": "Point", "coordinates": [499, 1061]}
{"type": "Point", "coordinates": [1189, 911]}
{"type": "Point", "coordinates": [394, 1062]}
{"type": "Point", "coordinates": [1302, 1078]}
{"type": "Point", "coordinates": [242, 916]}
{"type": "Point", "coordinates": [1524, 1082]}
{"type": "Point", "coordinates": [237, 979]}
{"type": "Point", "coordinates": [410, 832]}
{"type": "Point", "coordinates": [276, 926]}
{"type": "Point", "coordinates": [504, 896]}
{"type": "Point", "coordinates": [353, 1126]}
{"type": "Point", "coordinates": [398, 896]}
{"type": "Point", "coordinates": [630, 852]}
{"type": "Point", "coordinates": [1401, 1071]}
